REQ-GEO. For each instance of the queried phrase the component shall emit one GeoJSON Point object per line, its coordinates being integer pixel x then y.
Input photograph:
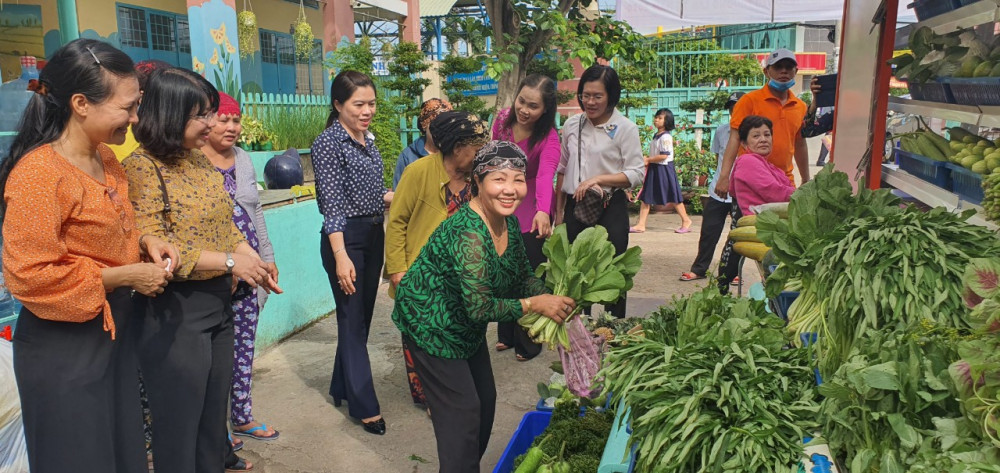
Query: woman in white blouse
{"type": "Point", "coordinates": [600, 151]}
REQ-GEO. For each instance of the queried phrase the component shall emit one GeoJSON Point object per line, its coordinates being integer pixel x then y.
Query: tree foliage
{"type": "Point", "coordinates": [555, 32]}
{"type": "Point", "coordinates": [736, 70]}
{"type": "Point", "coordinates": [406, 63]}
{"type": "Point", "coordinates": [455, 89]}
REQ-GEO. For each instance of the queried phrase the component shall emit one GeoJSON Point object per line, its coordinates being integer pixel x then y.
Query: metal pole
{"type": "Point", "coordinates": [437, 34]}
{"type": "Point", "coordinates": [69, 26]}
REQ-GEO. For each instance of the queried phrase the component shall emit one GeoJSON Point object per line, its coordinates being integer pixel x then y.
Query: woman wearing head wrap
{"type": "Point", "coordinates": [472, 271]}
{"type": "Point", "coordinates": [424, 145]}
{"type": "Point", "coordinates": [432, 189]}
{"type": "Point", "coordinates": [240, 181]}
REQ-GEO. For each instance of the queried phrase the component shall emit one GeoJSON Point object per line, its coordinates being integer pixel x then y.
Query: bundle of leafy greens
{"type": "Point", "coordinates": [891, 407]}
{"type": "Point", "coordinates": [586, 271]}
{"type": "Point", "coordinates": [711, 387]}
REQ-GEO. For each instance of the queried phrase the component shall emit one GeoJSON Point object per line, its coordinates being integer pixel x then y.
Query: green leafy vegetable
{"type": "Point", "coordinates": [586, 271]}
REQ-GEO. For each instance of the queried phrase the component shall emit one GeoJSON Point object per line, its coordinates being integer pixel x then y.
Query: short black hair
{"type": "Point", "coordinates": [607, 76]}
{"type": "Point", "coordinates": [170, 98]}
{"type": "Point", "coordinates": [668, 118]}
{"type": "Point", "coordinates": [751, 122]}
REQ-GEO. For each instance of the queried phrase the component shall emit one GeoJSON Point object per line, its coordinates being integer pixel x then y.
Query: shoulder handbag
{"type": "Point", "coordinates": [167, 222]}
{"type": "Point", "coordinates": [591, 207]}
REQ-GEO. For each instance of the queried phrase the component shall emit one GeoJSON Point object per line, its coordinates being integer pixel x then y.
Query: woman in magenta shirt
{"type": "Point", "coordinates": [530, 123]}
{"type": "Point", "coordinates": [754, 180]}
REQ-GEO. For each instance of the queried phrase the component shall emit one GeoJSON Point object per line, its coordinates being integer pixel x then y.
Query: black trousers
{"type": "Point", "coordinates": [364, 240]}
{"type": "Point", "coordinates": [462, 394]}
{"type": "Point", "coordinates": [730, 261]}
{"type": "Point", "coordinates": [713, 221]}
{"type": "Point", "coordinates": [185, 343]}
{"type": "Point", "coordinates": [615, 221]}
{"type": "Point", "coordinates": [79, 392]}
{"type": "Point", "coordinates": [510, 333]}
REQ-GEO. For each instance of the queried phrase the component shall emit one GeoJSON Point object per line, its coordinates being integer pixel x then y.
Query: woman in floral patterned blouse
{"type": "Point", "coordinates": [185, 338]}
{"type": "Point", "coordinates": [472, 271]}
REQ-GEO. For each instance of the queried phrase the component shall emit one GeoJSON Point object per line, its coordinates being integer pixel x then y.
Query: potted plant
{"type": "Point", "coordinates": [303, 35]}
{"type": "Point", "coordinates": [246, 31]}
{"type": "Point", "coordinates": [254, 137]}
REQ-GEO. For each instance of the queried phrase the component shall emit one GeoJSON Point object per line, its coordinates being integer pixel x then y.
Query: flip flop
{"type": "Point", "coordinates": [237, 444]}
{"type": "Point", "coordinates": [682, 230]}
{"type": "Point", "coordinates": [633, 230]}
{"type": "Point", "coordinates": [240, 466]}
{"type": "Point", "coordinates": [735, 281]}
{"type": "Point", "coordinates": [500, 346]}
{"type": "Point", "coordinates": [690, 277]}
{"type": "Point", "coordinates": [251, 433]}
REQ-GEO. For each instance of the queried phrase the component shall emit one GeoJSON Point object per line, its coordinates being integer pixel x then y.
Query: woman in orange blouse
{"type": "Point", "coordinates": [71, 255]}
{"type": "Point", "coordinates": [185, 339]}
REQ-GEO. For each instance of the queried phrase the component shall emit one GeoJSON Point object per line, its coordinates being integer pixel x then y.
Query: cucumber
{"type": "Point", "coordinates": [748, 221]}
{"type": "Point", "coordinates": [940, 142]}
{"type": "Point", "coordinates": [744, 234]}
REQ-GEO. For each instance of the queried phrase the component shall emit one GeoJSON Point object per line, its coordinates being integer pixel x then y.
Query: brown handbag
{"type": "Point", "coordinates": [590, 208]}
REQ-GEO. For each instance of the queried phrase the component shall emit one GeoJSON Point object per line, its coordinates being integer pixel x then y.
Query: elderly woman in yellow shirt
{"type": "Point", "coordinates": [431, 189]}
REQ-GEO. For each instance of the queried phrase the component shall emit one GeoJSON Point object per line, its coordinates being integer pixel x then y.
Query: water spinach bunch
{"type": "Point", "coordinates": [586, 271]}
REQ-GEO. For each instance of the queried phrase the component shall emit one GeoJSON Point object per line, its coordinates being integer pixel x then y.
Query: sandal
{"type": "Point", "coordinates": [237, 444]}
{"type": "Point", "coordinates": [690, 277]}
{"type": "Point", "coordinates": [262, 428]}
{"type": "Point", "coordinates": [240, 465]}
{"type": "Point", "coordinates": [735, 281]}
{"type": "Point", "coordinates": [635, 230]}
{"type": "Point", "coordinates": [501, 346]}
{"type": "Point", "coordinates": [522, 358]}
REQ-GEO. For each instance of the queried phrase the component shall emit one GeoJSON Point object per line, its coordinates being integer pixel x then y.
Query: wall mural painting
{"type": "Point", "coordinates": [213, 39]}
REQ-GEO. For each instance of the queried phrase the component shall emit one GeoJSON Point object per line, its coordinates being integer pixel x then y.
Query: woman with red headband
{"type": "Point", "coordinates": [241, 183]}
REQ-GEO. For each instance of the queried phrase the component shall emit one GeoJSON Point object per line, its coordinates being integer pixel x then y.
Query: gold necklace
{"type": "Point", "coordinates": [495, 236]}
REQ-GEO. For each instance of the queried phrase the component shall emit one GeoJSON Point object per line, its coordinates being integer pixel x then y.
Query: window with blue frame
{"type": "Point", "coordinates": [282, 72]}
{"type": "Point", "coordinates": [153, 34]}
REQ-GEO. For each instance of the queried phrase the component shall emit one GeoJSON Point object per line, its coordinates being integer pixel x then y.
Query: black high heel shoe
{"type": "Point", "coordinates": [376, 427]}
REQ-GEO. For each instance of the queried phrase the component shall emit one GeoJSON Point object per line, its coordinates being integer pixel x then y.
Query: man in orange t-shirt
{"type": "Point", "coordinates": [776, 102]}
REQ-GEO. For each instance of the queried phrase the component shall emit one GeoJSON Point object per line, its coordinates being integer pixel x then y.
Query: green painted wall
{"type": "Point", "coordinates": [294, 232]}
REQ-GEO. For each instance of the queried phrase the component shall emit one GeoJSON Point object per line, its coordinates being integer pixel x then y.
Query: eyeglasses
{"type": "Point", "coordinates": [588, 97]}
{"type": "Point", "coordinates": [206, 118]}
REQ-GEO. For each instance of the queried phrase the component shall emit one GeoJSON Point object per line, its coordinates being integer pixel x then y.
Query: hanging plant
{"type": "Point", "coordinates": [246, 32]}
{"type": "Point", "coordinates": [303, 35]}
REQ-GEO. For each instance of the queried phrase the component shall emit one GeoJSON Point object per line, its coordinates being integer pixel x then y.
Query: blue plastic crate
{"type": "Point", "coordinates": [925, 9]}
{"type": "Point", "coordinates": [975, 91]}
{"type": "Point", "coordinates": [927, 169]}
{"type": "Point", "coordinates": [967, 184]}
{"type": "Point", "coordinates": [532, 424]}
{"type": "Point", "coordinates": [783, 302]}
{"type": "Point", "coordinates": [931, 91]}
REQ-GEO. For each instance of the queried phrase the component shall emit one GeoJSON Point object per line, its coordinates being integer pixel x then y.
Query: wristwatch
{"type": "Point", "coordinates": [230, 263]}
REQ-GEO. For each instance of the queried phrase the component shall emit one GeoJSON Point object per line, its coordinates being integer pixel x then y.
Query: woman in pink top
{"type": "Point", "coordinates": [530, 123]}
{"type": "Point", "coordinates": [754, 180]}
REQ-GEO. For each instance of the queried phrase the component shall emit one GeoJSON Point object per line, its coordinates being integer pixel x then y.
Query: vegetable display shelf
{"type": "Point", "coordinates": [972, 13]}
{"type": "Point", "coordinates": [930, 194]}
{"type": "Point", "coordinates": [532, 425]}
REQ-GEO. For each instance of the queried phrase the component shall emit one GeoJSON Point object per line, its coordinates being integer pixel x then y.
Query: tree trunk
{"type": "Point", "coordinates": [507, 86]}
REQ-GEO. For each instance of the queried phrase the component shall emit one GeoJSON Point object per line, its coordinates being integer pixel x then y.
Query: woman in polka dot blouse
{"type": "Point", "coordinates": [352, 199]}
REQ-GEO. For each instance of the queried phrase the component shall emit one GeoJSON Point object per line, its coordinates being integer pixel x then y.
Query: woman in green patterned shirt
{"type": "Point", "coordinates": [472, 271]}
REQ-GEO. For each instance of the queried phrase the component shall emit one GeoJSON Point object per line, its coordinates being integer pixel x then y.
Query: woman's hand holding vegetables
{"type": "Point", "coordinates": [557, 308]}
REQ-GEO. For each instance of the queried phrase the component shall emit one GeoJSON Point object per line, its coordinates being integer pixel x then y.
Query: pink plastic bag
{"type": "Point", "coordinates": [582, 362]}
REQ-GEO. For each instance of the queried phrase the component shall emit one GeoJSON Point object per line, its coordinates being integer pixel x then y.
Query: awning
{"type": "Point", "coordinates": [435, 7]}
{"type": "Point", "coordinates": [646, 16]}
{"type": "Point", "coordinates": [368, 10]}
